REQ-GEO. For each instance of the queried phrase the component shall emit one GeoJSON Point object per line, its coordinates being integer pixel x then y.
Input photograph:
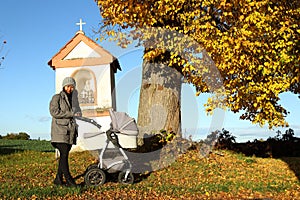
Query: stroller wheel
{"type": "Point", "coordinates": [92, 166]}
{"type": "Point", "coordinates": [124, 180]}
{"type": "Point", "coordinates": [95, 177]}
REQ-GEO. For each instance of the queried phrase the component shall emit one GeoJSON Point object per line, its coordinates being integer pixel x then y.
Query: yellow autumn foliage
{"type": "Point", "coordinates": [244, 50]}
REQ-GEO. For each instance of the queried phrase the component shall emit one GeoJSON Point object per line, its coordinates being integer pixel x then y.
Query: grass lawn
{"type": "Point", "coordinates": [27, 170]}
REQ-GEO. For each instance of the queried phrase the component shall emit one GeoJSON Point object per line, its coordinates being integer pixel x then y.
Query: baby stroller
{"type": "Point", "coordinates": [112, 157]}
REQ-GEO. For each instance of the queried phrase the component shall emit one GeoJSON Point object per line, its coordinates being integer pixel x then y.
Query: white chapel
{"type": "Point", "coordinates": [94, 70]}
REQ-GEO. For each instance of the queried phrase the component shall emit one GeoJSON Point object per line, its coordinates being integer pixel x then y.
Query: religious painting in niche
{"type": "Point", "coordinates": [85, 85]}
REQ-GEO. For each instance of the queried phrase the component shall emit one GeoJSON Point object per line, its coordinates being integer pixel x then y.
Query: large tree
{"type": "Point", "coordinates": [246, 52]}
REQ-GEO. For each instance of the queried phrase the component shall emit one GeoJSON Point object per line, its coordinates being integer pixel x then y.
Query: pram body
{"type": "Point", "coordinates": [112, 158]}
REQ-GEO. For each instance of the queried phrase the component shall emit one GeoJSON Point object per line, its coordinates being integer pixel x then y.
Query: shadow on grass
{"type": "Point", "coordinates": [287, 151]}
{"type": "Point", "coordinates": [294, 164]}
{"type": "Point", "coordinates": [10, 149]}
{"type": "Point", "coordinates": [144, 159]}
{"type": "Point", "coordinates": [113, 177]}
{"type": "Point", "coordinates": [15, 146]}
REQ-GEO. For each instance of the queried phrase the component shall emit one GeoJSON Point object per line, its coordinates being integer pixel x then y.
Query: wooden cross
{"type": "Point", "coordinates": [80, 24]}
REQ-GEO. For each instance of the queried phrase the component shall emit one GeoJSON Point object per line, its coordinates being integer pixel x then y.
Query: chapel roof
{"type": "Point", "coordinates": [61, 59]}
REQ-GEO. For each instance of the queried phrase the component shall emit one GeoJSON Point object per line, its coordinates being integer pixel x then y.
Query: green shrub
{"type": "Point", "coordinates": [16, 136]}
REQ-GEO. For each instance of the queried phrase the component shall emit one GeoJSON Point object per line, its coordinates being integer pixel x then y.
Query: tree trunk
{"type": "Point", "coordinates": [159, 104]}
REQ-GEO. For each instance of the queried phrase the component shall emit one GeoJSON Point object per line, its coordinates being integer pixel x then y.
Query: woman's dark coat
{"type": "Point", "coordinates": [63, 127]}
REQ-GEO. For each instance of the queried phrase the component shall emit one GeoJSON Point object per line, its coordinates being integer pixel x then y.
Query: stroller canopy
{"type": "Point", "coordinates": [122, 122]}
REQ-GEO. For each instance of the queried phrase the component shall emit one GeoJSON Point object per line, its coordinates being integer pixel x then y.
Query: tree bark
{"type": "Point", "coordinates": [159, 104]}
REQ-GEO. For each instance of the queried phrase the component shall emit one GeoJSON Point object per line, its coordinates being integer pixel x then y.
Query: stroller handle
{"type": "Point", "coordinates": [85, 119]}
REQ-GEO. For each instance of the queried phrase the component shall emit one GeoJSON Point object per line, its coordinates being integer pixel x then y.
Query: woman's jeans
{"type": "Point", "coordinates": [63, 164]}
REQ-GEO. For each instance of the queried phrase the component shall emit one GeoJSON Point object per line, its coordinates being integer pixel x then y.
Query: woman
{"type": "Point", "coordinates": [63, 107]}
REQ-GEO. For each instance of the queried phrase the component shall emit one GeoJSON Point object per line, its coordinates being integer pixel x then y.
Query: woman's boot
{"type": "Point", "coordinates": [70, 182]}
{"type": "Point", "coordinates": [58, 180]}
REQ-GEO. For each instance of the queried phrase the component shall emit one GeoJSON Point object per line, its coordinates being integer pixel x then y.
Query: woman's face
{"type": "Point", "coordinates": [69, 89]}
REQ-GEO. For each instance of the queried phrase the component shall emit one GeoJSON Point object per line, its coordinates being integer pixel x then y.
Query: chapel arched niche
{"type": "Point", "coordinates": [86, 87]}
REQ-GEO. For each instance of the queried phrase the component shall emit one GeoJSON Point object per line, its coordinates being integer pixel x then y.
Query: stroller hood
{"type": "Point", "coordinates": [122, 122]}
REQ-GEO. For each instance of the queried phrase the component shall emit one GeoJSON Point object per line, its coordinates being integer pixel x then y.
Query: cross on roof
{"type": "Point", "coordinates": [80, 24]}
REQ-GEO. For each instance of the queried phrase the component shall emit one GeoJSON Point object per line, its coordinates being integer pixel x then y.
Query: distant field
{"type": "Point", "coordinates": [27, 170]}
{"type": "Point", "coordinates": [10, 146]}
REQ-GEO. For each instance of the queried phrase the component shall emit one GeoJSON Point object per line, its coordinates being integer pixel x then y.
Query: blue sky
{"type": "Point", "coordinates": [36, 30]}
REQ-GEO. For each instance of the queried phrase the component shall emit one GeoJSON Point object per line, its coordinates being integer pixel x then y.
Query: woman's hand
{"type": "Point", "coordinates": [78, 114]}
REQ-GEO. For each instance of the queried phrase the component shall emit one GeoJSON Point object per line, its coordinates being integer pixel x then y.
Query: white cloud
{"type": "Point", "coordinates": [40, 119]}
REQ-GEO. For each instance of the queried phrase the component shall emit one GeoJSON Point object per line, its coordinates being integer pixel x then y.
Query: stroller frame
{"type": "Point", "coordinates": [96, 174]}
